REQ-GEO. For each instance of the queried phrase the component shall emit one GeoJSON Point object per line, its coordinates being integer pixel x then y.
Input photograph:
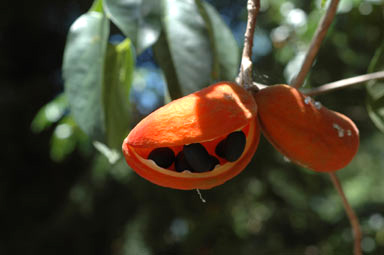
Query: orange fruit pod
{"type": "Point", "coordinates": [306, 132]}
{"type": "Point", "coordinates": [198, 141]}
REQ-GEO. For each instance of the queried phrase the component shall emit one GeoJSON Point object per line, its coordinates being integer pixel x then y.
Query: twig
{"type": "Point", "coordinates": [350, 213]}
{"type": "Point", "coordinates": [245, 74]}
{"type": "Point", "coordinates": [344, 83]}
{"type": "Point", "coordinates": [315, 44]}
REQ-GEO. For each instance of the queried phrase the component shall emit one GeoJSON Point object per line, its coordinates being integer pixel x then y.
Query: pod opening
{"type": "Point", "coordinates": [198, 157]}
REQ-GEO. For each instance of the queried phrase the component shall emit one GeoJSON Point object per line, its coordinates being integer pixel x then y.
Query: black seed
{"type": "Point", "coordinates": [163, 157]}
{"type": "Point", "coordinates": [181, 162]}
{"type": "Point", "coordinates": [235, 146]}
{"type": "Point", "coordinates": [213, 162]}
{"type": "Point", "coordinates": [231, 147]}
{"type": "Point", "coordinates": [197, 157]}
{"type": "Point", "coordinates": [220, 148]}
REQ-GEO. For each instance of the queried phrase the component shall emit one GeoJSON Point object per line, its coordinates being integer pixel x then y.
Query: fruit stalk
{"type": "Point", "coordinates": [344, 83]}
{"type": "Point", "coordinates": [350, 213]}
{"type": "Point", "coordinates": [321, 31]}
{"type": "Point", "coordinates": [245, 74]}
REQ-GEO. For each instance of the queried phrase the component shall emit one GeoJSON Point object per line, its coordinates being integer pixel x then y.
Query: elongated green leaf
{"type": "Point", "coordinates": [184, 51]}
{"type": "Point", "coordinates": [83, 68]}
{"type": "Point", "coordinates": [118, 74]}
{"type": "Point", "coordinates": [164, 58]}
{"type": "Point", "coordinates": [211, 36]}
{"type": "Point", "coordinates": [139, 20]}
{"type": "Point", "coordinates": [375, 91]}
{"type": "Point", "coordinates": [227, 53]}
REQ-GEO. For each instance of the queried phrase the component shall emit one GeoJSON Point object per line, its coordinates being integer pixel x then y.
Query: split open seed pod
{"type": "Point", "coordinates": [198, 141]}
{"type": "Point", "coordinates": [305, 131]}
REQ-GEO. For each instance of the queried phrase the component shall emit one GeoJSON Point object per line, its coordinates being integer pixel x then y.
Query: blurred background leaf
{"type": "Point", "coordinates": [50, 113]}
{"type": "Point", "coordinates": [375, 89]}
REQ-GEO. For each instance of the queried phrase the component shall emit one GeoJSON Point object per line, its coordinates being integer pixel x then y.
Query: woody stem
{"type": "Point", "coordinates": [344, 83]}
{"type": "Point", "coordinates": [245, 74]}
{"type": "Point", "coordinates": [321, 31]}
{"type": "Point", "coordinates": [350, 213]}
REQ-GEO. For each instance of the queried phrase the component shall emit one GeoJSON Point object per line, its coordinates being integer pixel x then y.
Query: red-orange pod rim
{"type": "Point", "coordinates": [208, 118]}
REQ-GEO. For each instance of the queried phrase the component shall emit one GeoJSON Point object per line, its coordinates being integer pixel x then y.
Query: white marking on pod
{"type": "Point", "coordinates": [307, 100]}
{"type": "Point", "coordinates": [340, 130]}
{"type": "Point", "coordinates": [286, 159]}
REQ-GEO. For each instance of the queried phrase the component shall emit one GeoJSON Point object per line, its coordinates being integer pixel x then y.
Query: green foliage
{"type": "Point", "coordinates": [187, 66]}
{"type": "Point", "coordinates": [224, 47]}
{"type": "Point", "coordinates": [65, 138]}
{"type": "Point", "coordinates": [375, 91]}
{"type": "Point", "coordinates": [118, 75]}
{"type": "Point", "coordinates": [138, 20]}
{"type": "Point", "coordinates": [97, 6]}
{"type": "Point", "coordinates": [83, 68]}
{"type": "Point", "coordinates": [50, 113]}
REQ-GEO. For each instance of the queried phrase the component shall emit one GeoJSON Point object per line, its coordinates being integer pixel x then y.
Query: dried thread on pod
{"type": "Point", "coordinates": [306, 132]}
{"type": "Point", "coordinates": [187, 132]}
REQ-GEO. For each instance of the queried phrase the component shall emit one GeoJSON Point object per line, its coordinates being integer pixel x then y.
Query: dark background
{"type": "Point", "coordinates": [82, 205]}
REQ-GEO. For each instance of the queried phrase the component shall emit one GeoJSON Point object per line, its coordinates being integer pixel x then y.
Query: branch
{"type": "Point", "coordinates": [350, 213]}
{"type": "Point", "coordinates": [315, 44]}
{"type": "Point", "coordinates": [344, 83]}
{"type": "Point", "coordinates": [245, 74]}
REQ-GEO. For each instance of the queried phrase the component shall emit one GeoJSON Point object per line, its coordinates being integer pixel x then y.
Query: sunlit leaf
{"type": "Point", "coordinates": [83, 68]}
{"type": "Point", "coordinates": [118, 74]}
{"type": "Point", "coordinates": [375, 91]}
{"type": "Point", "coordinates": [50, 113]}
{"type": "Point", "coordinates": [138, 20]}
{"type": "Point", "coordinates": [183, 50]}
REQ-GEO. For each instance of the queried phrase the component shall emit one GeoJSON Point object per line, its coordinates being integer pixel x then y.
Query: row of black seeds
{"type": "Point", "coordinates": [195, 157]}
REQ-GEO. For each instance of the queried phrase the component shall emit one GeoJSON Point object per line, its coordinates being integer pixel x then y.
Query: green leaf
{"type": "Point", "coordinates": [375, 108]}
{"type": "Point", "coordinates": [83, 68]}
{"type": "Point", "coordinates": [138, 20]}
{"type": "Point", "coordinates": [211, 34]}
{"type": "Point", "coordinates": [97, 6]}
{"type": "Point", "coordinates": [164, 58]}
{"type": "Point", "coordinates": [375, 91]}
{"type": "Point", "coordinates": [50, 113]}
{"type": "Point", "coordinates": [64, 139]}
{"type": "Point", "coordinates": [323, 2]}
{"type": "Point", "coordinates": [118, 75]}
{"type": "Point", "coordinates": [227, 53]}
{"type": "Point", "coordinates": [184, 51]}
